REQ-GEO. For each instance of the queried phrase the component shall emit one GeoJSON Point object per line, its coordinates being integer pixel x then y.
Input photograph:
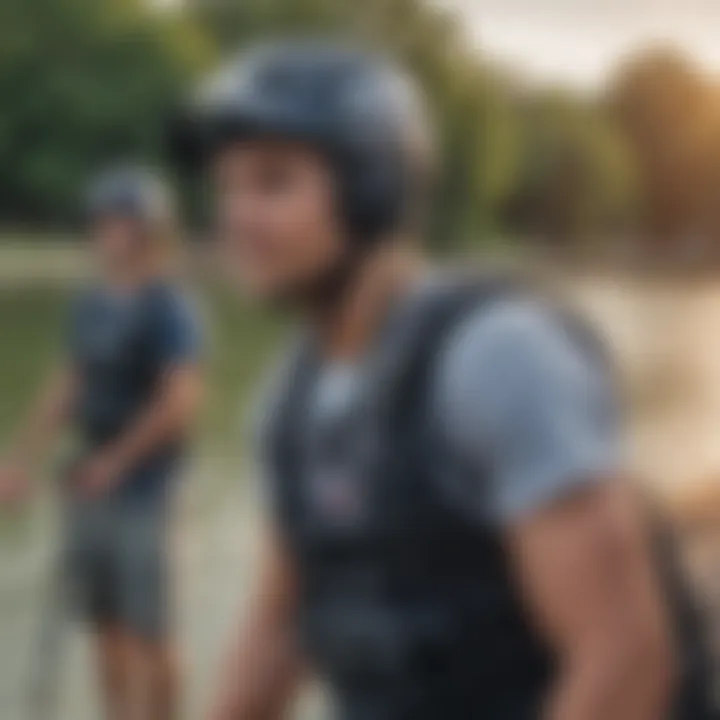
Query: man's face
{"type": "Point", "coordinates": [116, 242]}
{"type": "Point", "coordinates": [277, 217]}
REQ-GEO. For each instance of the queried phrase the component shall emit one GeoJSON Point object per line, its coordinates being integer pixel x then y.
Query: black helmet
{"type": "Point", "coordinates": [361, 111]}
{"type": "Point", "coordinates": [129, 191]}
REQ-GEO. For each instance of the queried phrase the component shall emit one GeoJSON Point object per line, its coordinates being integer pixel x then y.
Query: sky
{"type": "Point", "coordinates": [577, 42]}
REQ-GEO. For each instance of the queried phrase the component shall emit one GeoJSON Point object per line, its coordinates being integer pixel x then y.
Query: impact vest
{"type": "Point", "coordinates": [408, 609]}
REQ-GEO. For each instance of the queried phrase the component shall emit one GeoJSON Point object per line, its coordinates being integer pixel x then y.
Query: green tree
{"type": "Point", "coordinates": [669, 114]}
{"type": "Point", "coordinates": [576, 181]}
{"type": "Point", "coordinates": [83, 82]}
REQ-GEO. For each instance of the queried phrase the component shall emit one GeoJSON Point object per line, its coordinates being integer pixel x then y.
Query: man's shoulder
{"type": "Point", "coordinates": [509, 324]}
{"type": "Point", "coordinates": [167, 291]}
{"type": "Point", "coordinates": [171, 300]}
{"type": "Point", "coordinates": [505, 342]}
{"type": "Point", "coordinates": [520, 389]}
{"type": "Point", "coordinates": [489, 307]}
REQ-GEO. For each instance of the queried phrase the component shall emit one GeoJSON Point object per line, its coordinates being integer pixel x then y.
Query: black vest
{"type": "Point", "coordinates": [407, 607]}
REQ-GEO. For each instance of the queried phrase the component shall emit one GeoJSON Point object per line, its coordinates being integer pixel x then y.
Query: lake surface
{"type": "Point", "coordinates": [666, 338]}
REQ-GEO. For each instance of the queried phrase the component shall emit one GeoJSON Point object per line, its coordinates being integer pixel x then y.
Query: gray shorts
{"type": "Point", "coordinates": [118, 565]}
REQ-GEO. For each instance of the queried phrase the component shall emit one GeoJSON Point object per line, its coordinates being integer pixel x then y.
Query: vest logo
{"type": "Point", "coordinates": [337, 495]}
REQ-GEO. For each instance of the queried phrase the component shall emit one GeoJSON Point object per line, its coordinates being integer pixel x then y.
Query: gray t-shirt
{"type": "Point", "coordinates": [515, 394]}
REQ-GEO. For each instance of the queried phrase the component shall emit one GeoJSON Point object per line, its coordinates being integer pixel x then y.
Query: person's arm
{"type": "Point", "coordinates": [523, 399]}
{"type": "Point", "coordinates": [31, 440]}
{"type": "Point", "coordinates": [263, 670]}
{"type": "Point", "coordinates": [170, 412]}
{"type": "Point", "coordinates": [585, 570]}
{"type": "Point", "coordinates": [168, 416]}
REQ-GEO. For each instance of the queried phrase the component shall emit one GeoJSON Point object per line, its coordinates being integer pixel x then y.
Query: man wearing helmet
{"type": "Point", "coordinates": [450, 532]}
{"type": "Point", "coordinates": [129, 388]}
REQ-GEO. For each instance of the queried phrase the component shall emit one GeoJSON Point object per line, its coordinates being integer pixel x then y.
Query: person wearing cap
{"type": "Point", "coordinates": [129, 387]}
{"type": "Point", "coordinates": [450, 529]}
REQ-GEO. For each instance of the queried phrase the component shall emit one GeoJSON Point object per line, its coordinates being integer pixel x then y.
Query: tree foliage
{"type": "Point", "coordinates": [670, 114]}
{"type": "Point", "coordinates": [577, 179]}
{"type": "Point", "coordinates": [85, 81]}
{"type": "Point", "coordinates": [82, 82]}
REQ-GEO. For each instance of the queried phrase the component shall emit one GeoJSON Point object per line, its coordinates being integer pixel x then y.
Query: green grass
{"type": "Point", "coordinates": [31, 320]}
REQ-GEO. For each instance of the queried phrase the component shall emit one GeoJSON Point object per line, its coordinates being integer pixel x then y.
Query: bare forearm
{"type": "Point", "coordinates": [158, 426]}
{"type": "Point", "coordinates": [627, 683]}
{"type": "Point", "coordinates": [261, 678]}
{"type": "Point", "coordinates": [168, 417]}
{"type": "Point", "coordinates": [263, 670]}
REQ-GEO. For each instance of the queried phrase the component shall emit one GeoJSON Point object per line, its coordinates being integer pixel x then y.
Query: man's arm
{"type": "Point", "coordinates": [168, 416]}
{"type": "Point", "coordinates": [169, 413]}
{"type": "Point", "coordinates": [587, 576]}
{"type": "Point", "coordinates": [523, 398]}
{"type": "Point", "coordinates": [47, 417]}
{"type": "Point", "coordinates": [263, 670]}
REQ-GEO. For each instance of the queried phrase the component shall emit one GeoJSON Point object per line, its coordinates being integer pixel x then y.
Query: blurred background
{"type": "Point", "coordinates": [582, 136]}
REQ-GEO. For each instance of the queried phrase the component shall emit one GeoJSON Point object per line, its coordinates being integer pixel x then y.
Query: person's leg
{"type": "Point", "coordinates": [145, 611]}
{"type": "Point", "coordinates": [157, 673]}
{"type": "Point", "coordinates": [114, 664]}
{"type": "Point", "coordinates": [94, 574]}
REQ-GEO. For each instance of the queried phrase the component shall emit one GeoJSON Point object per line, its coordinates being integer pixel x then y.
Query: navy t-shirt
{"type": "Point", "coordinates": [121, 344]}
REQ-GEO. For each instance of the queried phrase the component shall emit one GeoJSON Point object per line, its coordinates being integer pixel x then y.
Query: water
{"type": "Point", "coordinates": [666, 342]}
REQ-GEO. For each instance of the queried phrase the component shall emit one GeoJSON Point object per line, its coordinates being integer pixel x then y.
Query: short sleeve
{"type": "Point", "coordinates": [177, 330]}
{"type": "Point", "coordinates": [532, 413]}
